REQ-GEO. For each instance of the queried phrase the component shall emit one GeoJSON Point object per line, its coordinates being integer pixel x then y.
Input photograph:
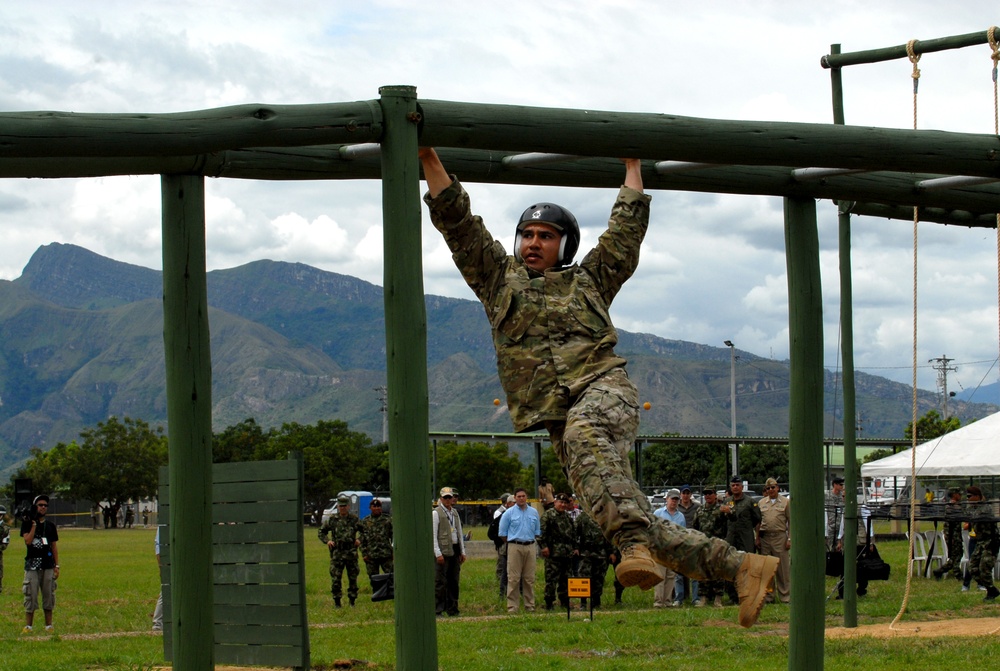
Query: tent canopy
{"type": "Point", "coordinates": [971, 450]}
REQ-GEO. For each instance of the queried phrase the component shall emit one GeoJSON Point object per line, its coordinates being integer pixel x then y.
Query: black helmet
{"type": "Point", "coordinates": [557, 216]}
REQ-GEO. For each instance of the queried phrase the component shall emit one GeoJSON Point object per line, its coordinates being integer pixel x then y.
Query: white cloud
{"type": "Point", "coordinates": [712, 266]}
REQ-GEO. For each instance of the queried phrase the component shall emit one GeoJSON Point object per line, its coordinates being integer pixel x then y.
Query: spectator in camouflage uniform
{"type": "Point", "coordinates": [558, 548]}
{"type": "Point", "coordinates": [4, 540]}
{"type": "Point", "coordinates": [340, 533]}
{"type": "Point", "coordinates": [710, 521]}
{"type": "Point", "coordinates": [987, 541]}
{"type": "Point", "coordinates": [834, 506]}
{"type": "Point", "coordinates": [595, 555]}
{"type": "Point", "coordinates": [555, 356]}
{"type": "Point", "coordinates": [376, 541]}
{"type": "Point", "coordinates": [953, 514]}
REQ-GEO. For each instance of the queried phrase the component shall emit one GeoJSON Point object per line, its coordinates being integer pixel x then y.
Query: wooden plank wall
{"type": "Point", "coordinates": [258, 564]}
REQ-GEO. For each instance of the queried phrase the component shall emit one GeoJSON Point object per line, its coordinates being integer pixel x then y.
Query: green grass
{"type": "Point", "coordinates": [109, 585]}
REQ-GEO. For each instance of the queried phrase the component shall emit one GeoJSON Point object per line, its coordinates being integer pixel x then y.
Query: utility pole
{"type": "Point", "coordinates": [733, 447]}
{"type": "Point", "coordinates": [383, 397]}
{"type": "Point", "coordinates": [942, 368]}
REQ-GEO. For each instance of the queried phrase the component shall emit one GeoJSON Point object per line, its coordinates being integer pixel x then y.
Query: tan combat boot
{"type": "Point", "coordinates": [752, 581]}
{"type": "Point", "coordinates": [638, 568]}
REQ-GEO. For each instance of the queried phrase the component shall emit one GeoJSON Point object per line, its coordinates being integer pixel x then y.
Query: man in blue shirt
{"type": "Point", "coordinates": [664, 593]}
{"type": "Point", "coordinates": [520, 526]}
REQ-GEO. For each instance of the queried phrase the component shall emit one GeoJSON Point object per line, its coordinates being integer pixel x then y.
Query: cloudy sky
{"type": "Point", "coordinates": [713, 267]}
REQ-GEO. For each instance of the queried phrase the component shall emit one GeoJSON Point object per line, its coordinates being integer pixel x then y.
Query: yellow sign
{"type": "Point", "coordinates": [579, 588]}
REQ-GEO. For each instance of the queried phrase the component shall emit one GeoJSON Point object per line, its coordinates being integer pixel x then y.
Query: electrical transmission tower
{"type": "Point", "coordinates": [942, 368]}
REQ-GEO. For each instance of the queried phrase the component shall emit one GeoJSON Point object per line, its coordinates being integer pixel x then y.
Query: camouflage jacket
{"type": "Point", "coordinates": [552, 332]}
{"type": "Point", "coordinates": [4, 534]}
{"type": "Point", "coordinates": [558, 533]}
{"type": "Point", "coordinates": [376, 536]}
{"type": "Point", "coordinates": [984, 525]}
{"type": "Point", "coordinates": [342, 531]}
{"type": "Point", "coordinates": [710, 521]}
{"type": "Point", "coordinates": [590, 539]}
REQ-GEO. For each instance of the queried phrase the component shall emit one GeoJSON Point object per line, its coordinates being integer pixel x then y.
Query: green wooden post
{"type": "Point", "coordinates": [847, 354]}
{"type": "Point", "coordinates": [406, 375]}
{"type": "Point", "coordinates": [805, 433]}
{"type": "Point", "coordinates": [189, 418]}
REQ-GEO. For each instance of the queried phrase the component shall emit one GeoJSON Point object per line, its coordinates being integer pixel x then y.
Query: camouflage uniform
{"type": "Point", "coordinates": [985, 555]}
{"type": "Point", "coordinates": [555, 356]}
{"type": "Point", "coordinates": [342, 529]}
{"type": "Point", "coordinates": [595, 554]}
{"type": "Point", "coordinates": [834, 506]}
{"type": "Point", "coordinates": [710, 521]}
{"type": "Point", "coordinates": [376, 544]}
{"type": "Point", "coordinates": [4, 540]}
{"type": "Point", "coordinates": [559, 537]}
{"type": "Point", "coordinates": [953, 514]}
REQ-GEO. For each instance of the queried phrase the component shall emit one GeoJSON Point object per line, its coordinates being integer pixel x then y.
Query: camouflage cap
{"type": "Point", "coordinates": [343, 500]}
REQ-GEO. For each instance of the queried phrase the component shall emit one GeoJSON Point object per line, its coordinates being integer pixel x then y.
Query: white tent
{"type": "Point", "coordinates": [972, 450]}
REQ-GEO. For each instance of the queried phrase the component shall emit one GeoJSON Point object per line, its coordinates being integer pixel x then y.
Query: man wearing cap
{"type": "Point", "coordinates": [340, 534]}
{"type": "Point", "coordinates": [449, 552]}
{"type": "Point", "coordinates": [712, 523]}
{"type": "Point", "coordinates": [776, 535]}
{"type": "Point", "coordinates": [376, 541]}
{"type": "Point", "coordinates": [558, 548]}
{"type": "Point", "coordinates": [834, 505]}
{"type": "Point", "coordinates": [670, 592]}
{"type": "Point", "coordinates": [41, 564]}
{"type": "Point", "coordinates": [953, 536]}
{"type": "Point", "coordinates": [742, 523]}
{"type": "Point", "coordinates": [520, 527]}
{"type": "Point", "coordinates": [689, 507]}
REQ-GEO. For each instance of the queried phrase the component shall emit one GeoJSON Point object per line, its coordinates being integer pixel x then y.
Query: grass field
{"type": "Point", "coordinates": [108, 588]}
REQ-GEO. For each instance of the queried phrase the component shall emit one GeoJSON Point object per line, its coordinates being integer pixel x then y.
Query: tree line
{"type": "Point", "coordinates": [119, 460]}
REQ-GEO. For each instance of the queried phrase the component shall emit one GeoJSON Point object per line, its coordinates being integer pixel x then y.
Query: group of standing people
{"type": "Point", "coordinates": [344, 534]}
{"type": "Point", "coordinates": [978, 519]}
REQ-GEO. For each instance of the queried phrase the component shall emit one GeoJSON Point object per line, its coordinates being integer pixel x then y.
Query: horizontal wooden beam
{"type": "Point", "coordinates": [519, 129]}
{"type": "Point", "coordinates": [69, 134]}
{"type": "Point", "coordinates": [894, 193]}
{"type": "Point", "coordinates": [899, 51]}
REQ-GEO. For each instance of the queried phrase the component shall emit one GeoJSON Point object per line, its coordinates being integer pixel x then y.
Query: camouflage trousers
{"type": "Point", "coordinates": [557, 572]}
{"type": "Point", "coordinates": [375, 565]}
{"type": "Point", "coordinates": [339, 562]}
{"type": "Point", "coordinates": [593, 445]}
{"type": "Point", "coordinates": [595, 568]}
{"type": "Point", "coordinates": [981, 564]}
{"type": "Point", "coordinates": [955, 551]}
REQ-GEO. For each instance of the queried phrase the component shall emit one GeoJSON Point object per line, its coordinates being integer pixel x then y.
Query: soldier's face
{"type": "Point", "coordinates": [376, 511]}
{"type": "Point", "coordinates": [342, 509]}
{"type": "Point", "coordinates": [710, 499]}
{"type": "Point", "coordinates": [540, 246]}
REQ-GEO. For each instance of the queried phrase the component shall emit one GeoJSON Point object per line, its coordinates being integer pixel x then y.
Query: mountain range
{"type": "Point", "coordinates": [81, 340]}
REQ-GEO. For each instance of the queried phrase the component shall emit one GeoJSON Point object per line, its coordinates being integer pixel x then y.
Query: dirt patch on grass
{"type": "Point", "coordinates": [972, 627]}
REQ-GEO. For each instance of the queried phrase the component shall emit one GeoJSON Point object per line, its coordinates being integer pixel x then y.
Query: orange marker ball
{"type": "Point", "coordinates": [646, 405]}
{"type": "Point", "coordinates": [496, 401]}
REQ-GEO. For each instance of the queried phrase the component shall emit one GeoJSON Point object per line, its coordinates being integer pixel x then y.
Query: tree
{"type": "Point", "coordinates": [116, 462]}
{"type": "Point", "coordinates": [760, 462]}
{"type": "Point", "coordinates": [667, 464]}
{"type": "Point", "coordinates": [42, 467]}
{"type": "Point", "coordinates": [477, 470]}
{"type": "Point", "coordinates": [334, 458]}
{"type": "Point", "coordinates": [239, 442]}
{"type": "Point", "coordinates": [932, 426]}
